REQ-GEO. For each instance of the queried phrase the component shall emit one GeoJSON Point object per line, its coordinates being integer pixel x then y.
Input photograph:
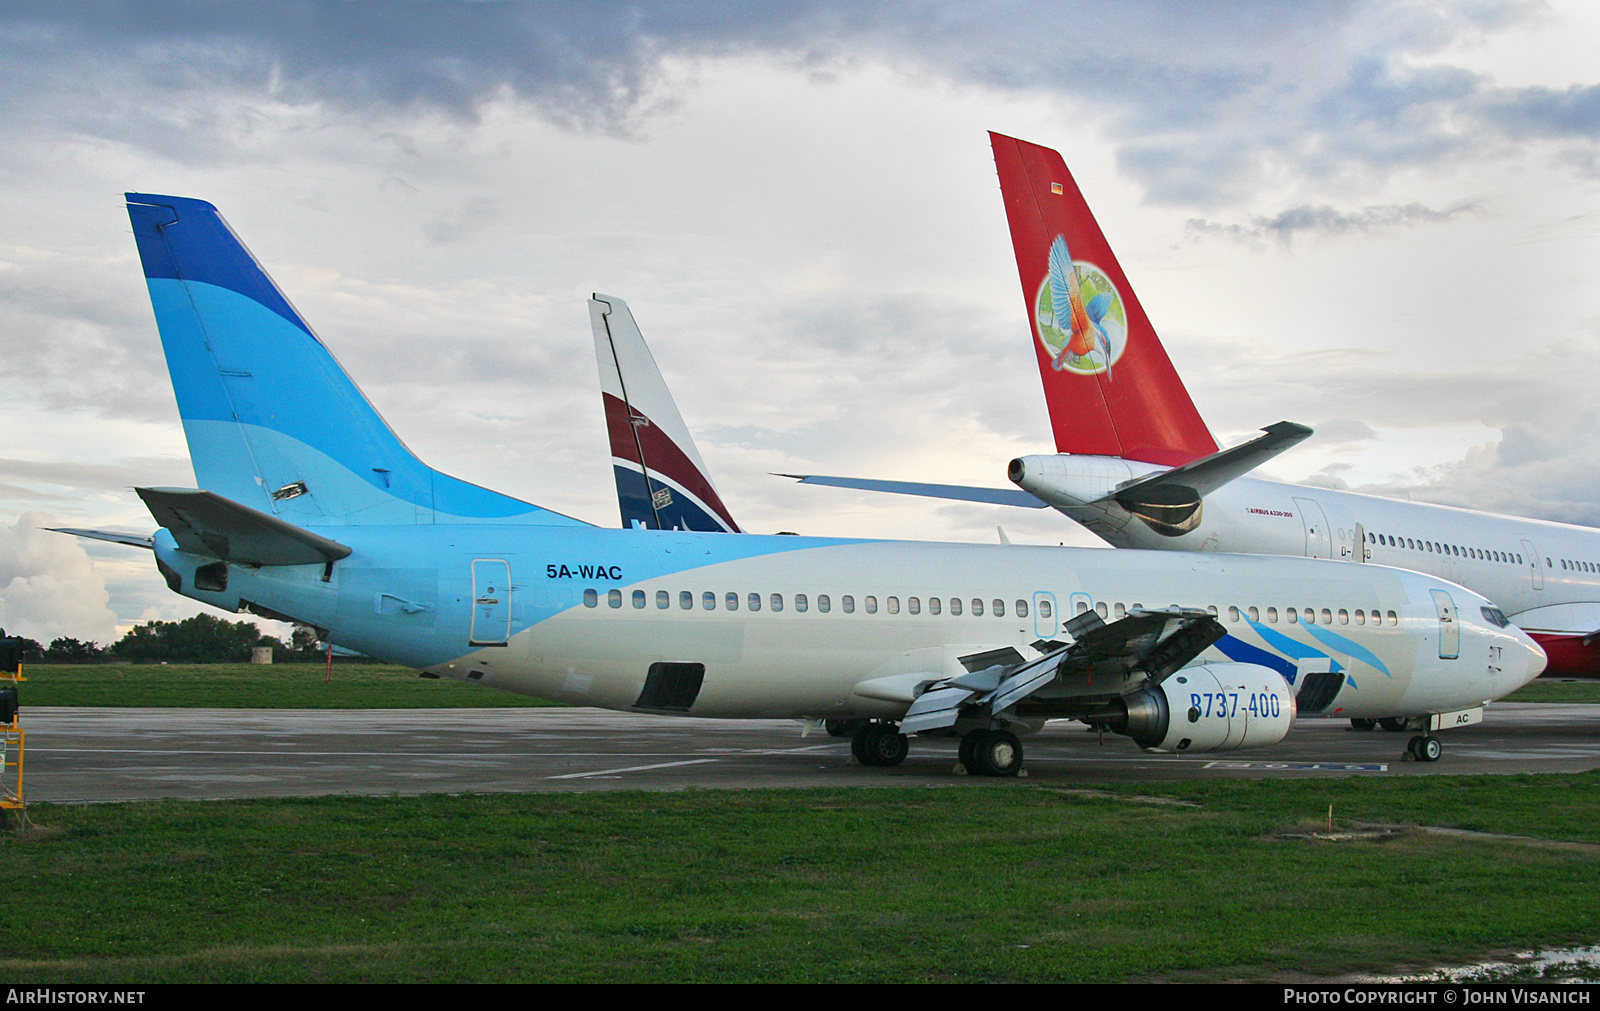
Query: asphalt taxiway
{"type": "Point", "coordinates": [115, 754]}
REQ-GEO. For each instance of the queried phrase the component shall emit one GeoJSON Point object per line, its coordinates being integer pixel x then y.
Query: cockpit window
{"type": "Point", "coordinates": [1494, 616]}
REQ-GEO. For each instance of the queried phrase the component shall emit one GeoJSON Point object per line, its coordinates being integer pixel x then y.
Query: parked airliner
{"type": "Point", "coordinates": [1136, 464]}
{"type": "Point", "coordinates": [310, 509]}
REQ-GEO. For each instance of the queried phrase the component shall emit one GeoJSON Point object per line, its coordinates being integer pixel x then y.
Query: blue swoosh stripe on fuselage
{"type": "Point", "coordinates": [1349, 647]}
{"type": "Point", "coordinates": [1237, 649]}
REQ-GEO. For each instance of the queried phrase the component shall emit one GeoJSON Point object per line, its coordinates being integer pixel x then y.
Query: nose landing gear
{"type": "Point", "coordinates": [1425, 748]}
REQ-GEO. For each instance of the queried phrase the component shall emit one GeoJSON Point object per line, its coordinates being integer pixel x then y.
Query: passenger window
{"type": "Point", "coordinates": [638, 598]}
{"type": "Point", "coordinates": [686, 600]}
{"type": "Point", "coordinates": [1254, 613]}
{"type": "Point", "coordinates": [1233, 613]}
{"type": "Point", "coordinates": [870, 604]}
{"type": "Point", "coordinates": [823, 603]}
{"type": "Point", "coordinates": [591, 598]}
{"type": "Point", "coordinates": [777, 601]}
{"type": "Point", "coordinates": [663, 601]}
{"type": "Point", "coordinates": [731, 601]}
{"type": "Point", "coordinates": [1272, 615]}
{"type": "Point", "coordinates": [1118, 610]}
{"type": "Point", "coordinates": [913, 605]}
{"type": "Point", "coordinates": [1211, 609]}
{"type": "Point", "coordinates": [800, 602]}
{"type": "Point", "coordinates": [1327, 616]}
{"type": "Point", "coordinates": [1344, 616]}
{"type": "Point", "coordinates": [1294, 616]}
{"type": "Point", "coordinates": [849, 603]}
{"type": "Point", "coordinates": [1394, 619]}
{"type": "Point", "coordinates": [753, 602]}
{"type": "Point", "coordinates": [1361, 616]}
{"type": "Point", "coordinates": [1101, 609]}
{"type": "Point", "coordinates": [955, 605]}
{"type": "Point", "coordinates": [998, 608]}
{"type": "Point", "coordinates": [977, 608]}
{"type": "Point", "coordinates": [934, 605]}
{"type": "Point", "coordinates": [614, 598]}
{"type": "Point", "coordinates": [708, 600]}
{"type": "Point", "coordinates": [1044, 608]}
{"type": "Point", "coordinates": [894, 605]}
{"type": "Point", "coordinates": [1022, 608]}
{"type": "Point", "coordinates": [1083, 605]}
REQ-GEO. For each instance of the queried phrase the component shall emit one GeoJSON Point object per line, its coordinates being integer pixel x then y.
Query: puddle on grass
{"type": "Point", "coordinates": [1570, 965]}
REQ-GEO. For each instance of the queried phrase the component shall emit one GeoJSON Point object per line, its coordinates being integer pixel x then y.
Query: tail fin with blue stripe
{"type": "Point", "coordinates": [272, 420]}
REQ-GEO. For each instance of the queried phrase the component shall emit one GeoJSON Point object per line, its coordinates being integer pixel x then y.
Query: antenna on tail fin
{"type": "Point", "coordinates": [1109, 385]}
{"type": "Point", "coordinates": [662, 484]}
{"type": "Point", "coordinates": [273, 423]}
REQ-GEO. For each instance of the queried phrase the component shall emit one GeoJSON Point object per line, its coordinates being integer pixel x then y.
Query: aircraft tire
{"type": "Point", "coordinates": [1393, 724]}
{"type": "Point", "coordinates": [992, 753]}
{"type": "Point", "coordinates": [1426, 748]}
{"type": "Point", "coordinates": [1362, 723]}
{"type": "Point", "coordinates": [879, 744]}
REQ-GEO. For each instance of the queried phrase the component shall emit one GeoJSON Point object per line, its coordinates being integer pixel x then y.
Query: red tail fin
{"type": "Point", "coordinates": [1110, 387]}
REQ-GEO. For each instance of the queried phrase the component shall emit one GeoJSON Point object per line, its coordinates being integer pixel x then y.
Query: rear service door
{"type": "Point", "coordinates": [491, 602]}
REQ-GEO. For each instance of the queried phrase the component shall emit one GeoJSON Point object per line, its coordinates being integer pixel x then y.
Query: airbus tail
{"type": "Point", "coordinates": [662, 484]}
{"type": "Point", "coordinates": [1109, 385]}
{"type": "Point", "coordinates": [273, 423]}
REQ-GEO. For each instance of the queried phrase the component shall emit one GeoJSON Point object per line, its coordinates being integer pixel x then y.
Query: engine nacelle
{"type": "Point", "coordinates": [1215, 707]}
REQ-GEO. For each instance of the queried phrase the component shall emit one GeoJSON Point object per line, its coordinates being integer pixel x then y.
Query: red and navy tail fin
{"type": "Point", "coordinates": [662, 484]}
{"type": "Point", "coordinates": [1109, 385]}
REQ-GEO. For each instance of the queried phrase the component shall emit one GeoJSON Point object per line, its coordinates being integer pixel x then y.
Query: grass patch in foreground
{"type": "Point", "coordinates": [255, 686]}
{"type": "Point", "coordinates": [1001, 882]}
{"type": "Point", "coordinates": [1556, 691]}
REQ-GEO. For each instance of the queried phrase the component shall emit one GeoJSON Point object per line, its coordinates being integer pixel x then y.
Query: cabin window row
{"type": "Point", "coordinates": [1455, 550]}
{"type": "Point", "coordinates": [1574, 565]}
{"type": "Point", "coordinates": [1291, 615]}
{"type": "Point", "coordinates": [707, 600]}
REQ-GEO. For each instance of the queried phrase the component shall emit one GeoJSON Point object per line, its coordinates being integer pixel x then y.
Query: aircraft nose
{"type": "Point", "coordinates": [1537, 660]}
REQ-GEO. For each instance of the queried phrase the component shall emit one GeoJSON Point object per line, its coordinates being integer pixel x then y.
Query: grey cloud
{"type": "Point", "coordinates": [1325, 219]}
{"type": "Point", "coordinates": [1202, 99]}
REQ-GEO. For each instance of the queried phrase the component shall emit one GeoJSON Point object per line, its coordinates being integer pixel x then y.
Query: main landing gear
{"type": "Point", "coordinates": [879, 744]}
{"type": "Point", "coordinates": [991, 753]}
{"type": "Point", "coordinates": [983, 752]}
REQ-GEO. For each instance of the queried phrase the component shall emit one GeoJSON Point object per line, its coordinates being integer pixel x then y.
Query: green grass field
{"type": "Point", "coordinates": [255, 686]}
{"type": "Point", "coordinates": [1006, 882]}
{"type": "Point", "coordinates": [1557, 691]}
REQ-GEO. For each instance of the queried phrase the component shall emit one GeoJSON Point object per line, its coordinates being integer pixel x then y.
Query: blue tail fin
{"type": "Point", "coordinates": [272, 420]}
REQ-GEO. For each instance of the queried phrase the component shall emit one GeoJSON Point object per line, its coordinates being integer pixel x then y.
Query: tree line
{"type": "Point", "coordinates": [200, 639]}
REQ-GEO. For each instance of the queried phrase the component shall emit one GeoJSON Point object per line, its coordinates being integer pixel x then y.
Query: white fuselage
{"type": "Point", "coordinates": [590, 611]}
{"type": "Point", "coordinates": [1545, 576]}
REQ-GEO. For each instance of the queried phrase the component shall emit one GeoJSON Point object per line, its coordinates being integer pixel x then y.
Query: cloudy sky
{"type": "Point", "coordinates": [1378, 218]}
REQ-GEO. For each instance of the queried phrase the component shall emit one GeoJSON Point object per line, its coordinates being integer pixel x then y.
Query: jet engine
{"type": "Point", "coordinates": [1214, 707]}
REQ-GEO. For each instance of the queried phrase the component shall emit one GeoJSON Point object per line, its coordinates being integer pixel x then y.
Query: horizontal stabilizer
{"type": "Point", "coordinates": [960, 493]}
{"type": "Point", "coordinates": [1209, 473]}
{"type": "Point", "coordinates": [205, 523]}
{"type": "Point", "coordinates": [132, 540]}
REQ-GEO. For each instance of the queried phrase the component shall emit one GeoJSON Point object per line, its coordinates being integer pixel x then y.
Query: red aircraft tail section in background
{"type": "Point", "coordinates": [1109, 385]}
